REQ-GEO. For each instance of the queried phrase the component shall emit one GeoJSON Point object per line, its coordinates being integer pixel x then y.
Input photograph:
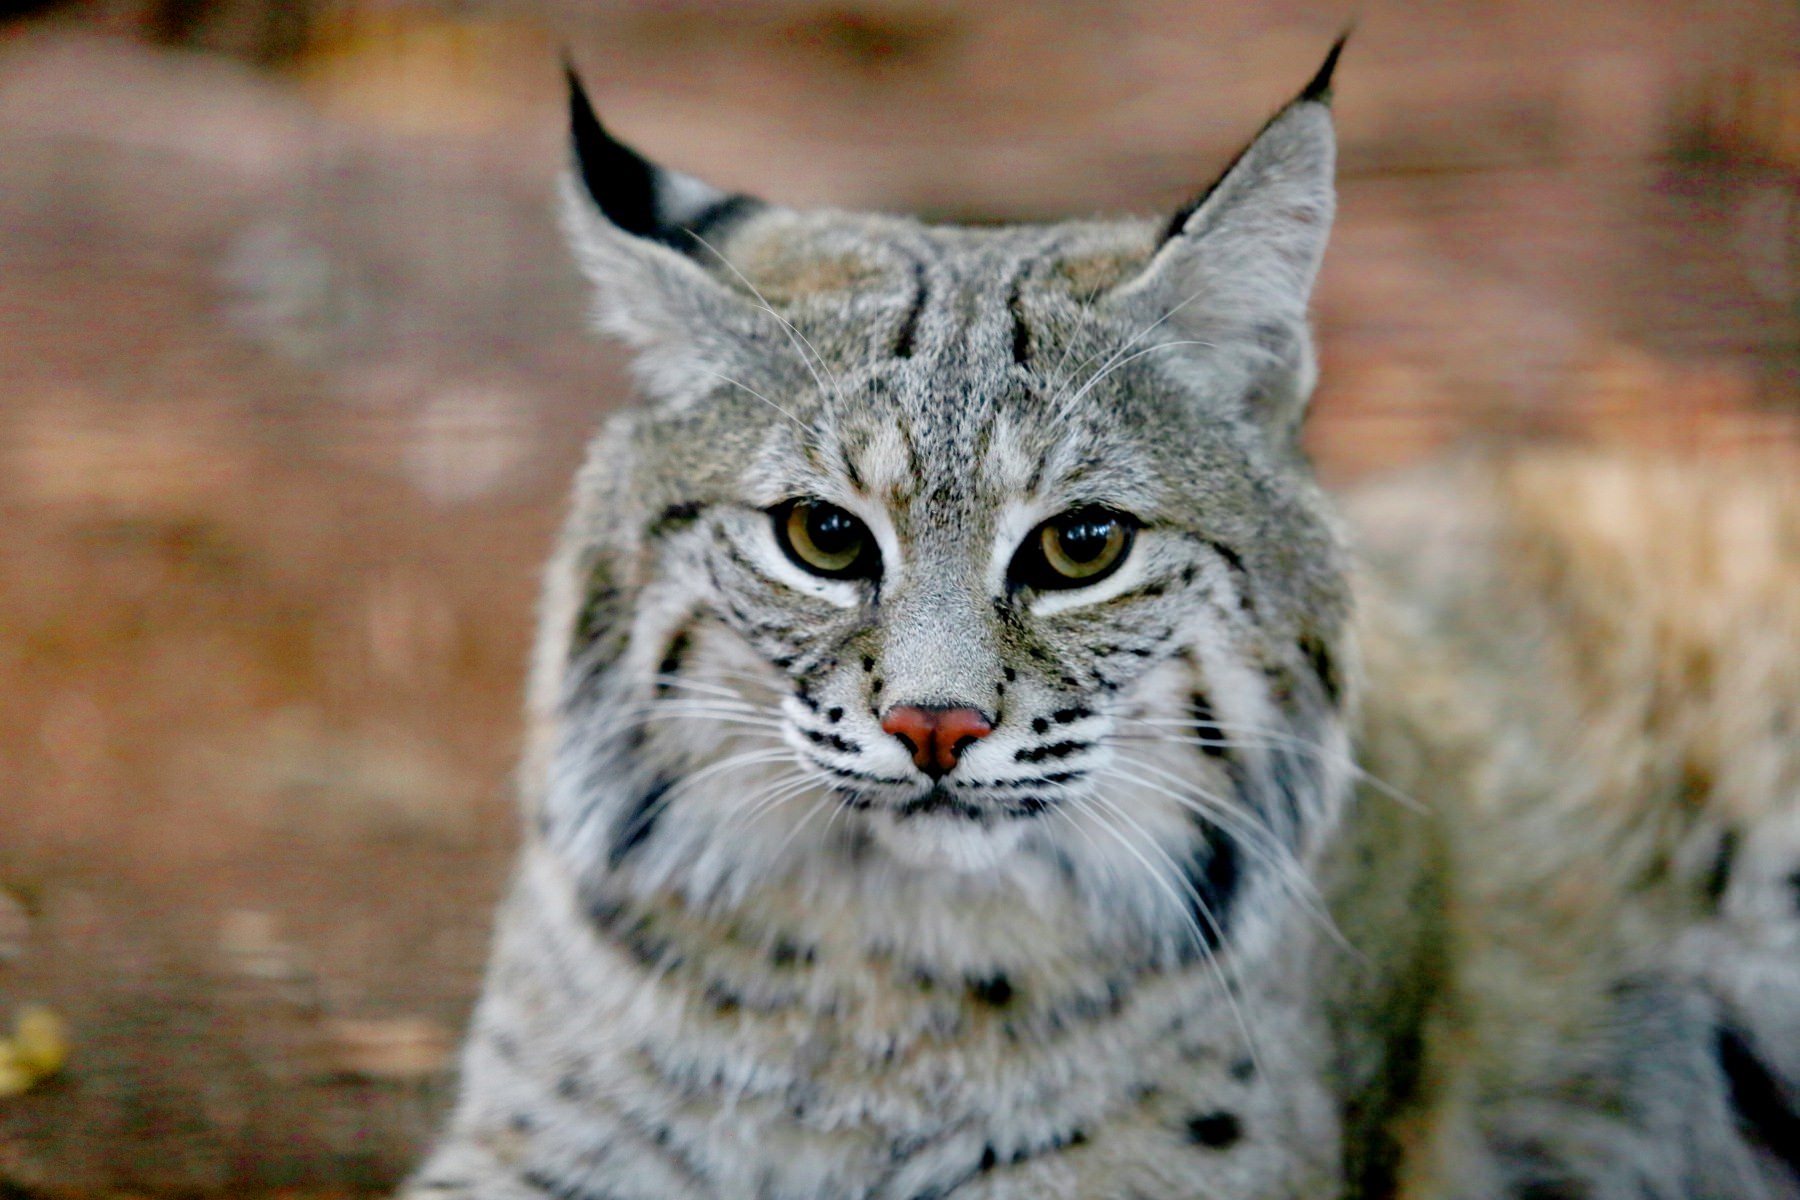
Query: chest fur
{"type": "Point", "coordinates": [733, 1067]}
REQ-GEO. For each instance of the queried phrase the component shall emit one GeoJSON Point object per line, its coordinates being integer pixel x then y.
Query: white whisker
{"type": "Point", "coordinates": [1199, 906]}
{"type": "Point", "coordinates": [794, 335]}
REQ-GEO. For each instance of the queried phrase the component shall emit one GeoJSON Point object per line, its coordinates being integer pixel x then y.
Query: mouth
{"type": "Point", "coordinates": [939, 801]}
{"type": "Point", "coordinates": [942, 828]}
{"type": "Point", "coordinates": [947, 803]}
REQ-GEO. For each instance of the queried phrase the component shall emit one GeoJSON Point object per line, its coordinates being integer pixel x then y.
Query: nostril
{"type": "Point", "coordinates": [936, 736]}
{"type": "Point", "coordinates": [912, 727]}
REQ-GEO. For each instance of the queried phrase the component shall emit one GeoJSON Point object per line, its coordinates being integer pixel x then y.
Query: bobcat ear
{"type": "Point", "coordinates": [1236, 266]}
{"type": "Point", "coordinates": [636, 195]}
{"type": "Point", "coordinates": [642, 236]}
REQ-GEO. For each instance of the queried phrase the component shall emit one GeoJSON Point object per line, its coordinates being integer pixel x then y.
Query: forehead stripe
{"type": "Point", "coordinates": [909, 327]}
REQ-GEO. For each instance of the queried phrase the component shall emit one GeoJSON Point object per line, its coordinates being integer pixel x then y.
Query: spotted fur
{"type": "Point", "coordinates": [1223, 906]}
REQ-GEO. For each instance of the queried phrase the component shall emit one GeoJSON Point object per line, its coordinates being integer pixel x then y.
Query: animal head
{"type": "Point", "coordinates": [943, 552]}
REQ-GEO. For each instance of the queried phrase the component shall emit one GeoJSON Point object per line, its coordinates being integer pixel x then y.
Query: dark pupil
{"type": "Point", "coordinates": [832, 530]}
{"type": "Point", "coordinates": [1085, 540]}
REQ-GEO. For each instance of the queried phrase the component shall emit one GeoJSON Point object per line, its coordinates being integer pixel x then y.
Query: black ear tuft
{"type": "Point", "coordinates": [620, 181]}
{"type": "Point", "coordinates": [1319, 89]}
{"type": "Point", "coordinates": [634, 193]}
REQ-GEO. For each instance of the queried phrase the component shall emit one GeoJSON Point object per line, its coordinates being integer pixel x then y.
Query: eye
{"type": "Point", "coordinates": [825, 540]}
{"type": "Point", "coordinates": [1075, 549]}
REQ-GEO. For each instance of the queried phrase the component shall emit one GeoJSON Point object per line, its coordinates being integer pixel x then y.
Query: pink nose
{"type": "Point", "coordinates": [935, 736]}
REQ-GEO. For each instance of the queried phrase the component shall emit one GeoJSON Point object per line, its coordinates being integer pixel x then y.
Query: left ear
{"type": "Point", "coordinates": [640, 233]}
{"type": "Point", "coordinates": [1236, 267]}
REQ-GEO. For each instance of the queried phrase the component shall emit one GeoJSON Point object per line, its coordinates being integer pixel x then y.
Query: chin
{"type": "Point", "coordinates": [941, 842]}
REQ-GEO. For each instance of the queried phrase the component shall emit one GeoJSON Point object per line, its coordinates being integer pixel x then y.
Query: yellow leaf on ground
{"type": "Point", "coordinates": [15, 1077]}
{"type": "Point", "coordinates": [41, 1041]}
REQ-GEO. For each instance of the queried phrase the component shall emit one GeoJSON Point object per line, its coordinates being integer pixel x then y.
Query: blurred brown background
{"type": "Point", "coordinates": [292, 377]}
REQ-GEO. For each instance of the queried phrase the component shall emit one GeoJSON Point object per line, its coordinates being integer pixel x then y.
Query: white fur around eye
{"type": "Point", "coordinates": [1131, 573]}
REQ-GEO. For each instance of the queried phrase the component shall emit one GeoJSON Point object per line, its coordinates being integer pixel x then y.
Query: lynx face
{"type": "Point", "coordinates": [934, 551]}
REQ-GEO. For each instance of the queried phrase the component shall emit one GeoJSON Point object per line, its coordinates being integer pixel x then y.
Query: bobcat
{"type": "Point", "coordinates": [965, 761]}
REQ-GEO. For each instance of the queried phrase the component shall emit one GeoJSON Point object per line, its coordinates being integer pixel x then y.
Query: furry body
{"type": "Point", "coordinates": [1457, 873]}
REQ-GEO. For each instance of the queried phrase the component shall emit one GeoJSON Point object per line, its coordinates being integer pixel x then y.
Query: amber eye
{"type": "Point", "coordinates": [826, 540]}
{"type": "Point", "coordinates": [1075, 549]}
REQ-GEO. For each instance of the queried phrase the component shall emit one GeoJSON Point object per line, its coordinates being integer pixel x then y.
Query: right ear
{"type": "Point", "coordinates": [641, 233]}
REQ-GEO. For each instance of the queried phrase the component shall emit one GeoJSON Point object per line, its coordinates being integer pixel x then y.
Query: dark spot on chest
{"type": "Point", "coordinates": [786, 953]}
{"type": "Point", "coordinates": [995, 991]}
{"type": "Point", "coordinates": [1213, 874]}
{"type": "Point", "coordinates": [1215, 1130]}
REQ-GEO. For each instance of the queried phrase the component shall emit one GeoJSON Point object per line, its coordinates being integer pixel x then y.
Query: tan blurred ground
{"type": "Point", "coordinates": [292, 375]}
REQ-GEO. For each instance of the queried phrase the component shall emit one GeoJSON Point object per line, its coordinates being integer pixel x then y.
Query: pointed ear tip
{"type": "Point", "coordinates": [1318, 89]}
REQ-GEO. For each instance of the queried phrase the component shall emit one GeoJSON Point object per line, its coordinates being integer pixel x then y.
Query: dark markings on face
{"type": "Point", "coordinates": [909, 324]}
{"type": "Point", "coordinates": [598, 637]}
{"type": "Point", "coordinates": [1037, 754]}
{"type": "Point", "coordinates": [674, 518]}
{"type": "Point", "coordinates": [599, 614]}
{"type": "Point", "coordinates": [785, 952]}
{"type": "Point", "coordinates": [991, 1159]}
{"type": "Point", "coordinates": [1021, 336]}
{"type": "Point", "coordinates": [1765, 1112]}
{"type": "Point", "coordinates": [1324, 665]}
{"type": "Point", "coordinates": [1235, 562]}
{"type": "Point", "coordinates": [862, 776]}
{"type": "Point", "coordinates": [637, 822]}
{"type": "Point", "coordinates": [673, 656]}
{"type": "Point", "coordinates": [842, 745]}
{"type": "Point", "coordinates": [1206, 727]}
{"type": "Point", "coordinates": [545, 1184]}
{"type": "Point", "coordinates": [1718, 877]}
